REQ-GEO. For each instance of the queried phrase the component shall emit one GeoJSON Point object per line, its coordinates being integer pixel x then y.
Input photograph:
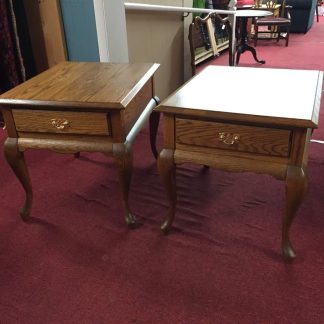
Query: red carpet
{"type": "Point", "coordinates": [305, 51]}
{"type": "Point", "coordinates": [76, 262]}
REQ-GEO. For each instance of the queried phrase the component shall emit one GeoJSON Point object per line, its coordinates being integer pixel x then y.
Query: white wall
{"type": "Point", "coordinates": [111, 30]}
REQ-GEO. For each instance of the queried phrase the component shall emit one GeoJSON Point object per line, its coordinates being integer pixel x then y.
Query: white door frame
{"type": "Point", "coordinates": [111, 30]}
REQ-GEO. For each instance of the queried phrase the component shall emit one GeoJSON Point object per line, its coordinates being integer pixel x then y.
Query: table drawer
{"type": "Point", "coordinates": [261, 140]}
{"type": "Point", "coordinates": [65, 122]}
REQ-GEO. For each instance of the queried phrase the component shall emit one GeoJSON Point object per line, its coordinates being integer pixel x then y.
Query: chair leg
{"type": "Point", "coordinates": [278, 31]}
{"type": "Point", "coordinates": [287, 36]}
{"type": "Point", "coordinates": [316, 10]}
{"type": "Point", "coordinates": [255, 35]}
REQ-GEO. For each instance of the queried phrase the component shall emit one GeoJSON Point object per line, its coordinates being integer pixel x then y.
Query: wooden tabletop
{"type": "Point", "coordinates": [80, 84]}
{"type": "Point", "coordinates": [259, 95]}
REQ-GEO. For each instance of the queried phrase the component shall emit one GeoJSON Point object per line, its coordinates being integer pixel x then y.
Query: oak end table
{"type": "Point", "coordinates": [224, 118]}
{"type": "Point", "coordinates": [81, 107]}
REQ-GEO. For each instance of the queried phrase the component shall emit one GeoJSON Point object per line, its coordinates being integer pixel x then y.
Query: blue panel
{"type": "Point", "coordinates": [80, 30]}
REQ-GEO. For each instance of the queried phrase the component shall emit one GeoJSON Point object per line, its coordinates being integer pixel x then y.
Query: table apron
{"type": "Point", "coordinates": [68, 144]}
{"type": "Point", "coordinates": [239, 163]}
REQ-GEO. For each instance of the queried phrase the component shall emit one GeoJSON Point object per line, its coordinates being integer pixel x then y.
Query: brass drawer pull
{"type": "Point", "coordinates": [228, 138]}
{"type": "Point", "coordinates": [60, 123]}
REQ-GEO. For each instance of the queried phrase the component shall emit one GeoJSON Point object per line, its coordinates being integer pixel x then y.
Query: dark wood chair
{"type": "Point", "coordinates": [319, 3]}
{"type": "Point", "coordinates": [223, 27]}
{"type": "Point", "coordinates": [273, 27]}
{"type": "Point", "coordinates": [200, 47]}
{"type": "Point", "coordinates": [202, 38]}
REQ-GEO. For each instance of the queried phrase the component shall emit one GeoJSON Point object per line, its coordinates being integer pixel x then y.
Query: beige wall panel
{"type": "Point", "coordinates": [158, 37]}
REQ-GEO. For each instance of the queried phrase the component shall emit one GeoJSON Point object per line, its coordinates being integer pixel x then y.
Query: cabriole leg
{"type": "Point", "coordinates": [296, 186]}
{"type": "Point", "coordinates": [167, 171]}
{"type": "Point", "coordinates": [16, 160]}
{"type": "Point", "coordinates": [124, 159]}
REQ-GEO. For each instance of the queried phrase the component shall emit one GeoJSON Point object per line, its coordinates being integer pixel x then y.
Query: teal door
{"type": "Point", "coordinates": [80, 30]}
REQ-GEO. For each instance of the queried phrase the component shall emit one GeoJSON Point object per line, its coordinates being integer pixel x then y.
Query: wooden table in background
{"type": "Point", "coordinates": [243, 46]}
{"type": "Point", "coordinates": [75, 107]}
{"type": "Point", "coordinates": [224, 118]}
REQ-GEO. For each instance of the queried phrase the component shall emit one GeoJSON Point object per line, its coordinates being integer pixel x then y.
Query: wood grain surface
{"type": "Point", "coordinates": [78, 122]}
{"type": "Point", "coordinates": [260, 140]}
{"type": "Point", "coordinates": [83, 84]}
{"type": "Point", "coordinates": [81, 107]}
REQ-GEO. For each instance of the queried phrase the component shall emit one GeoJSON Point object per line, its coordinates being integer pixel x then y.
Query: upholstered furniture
{"type": "Point", "coordinates": [302, 14]}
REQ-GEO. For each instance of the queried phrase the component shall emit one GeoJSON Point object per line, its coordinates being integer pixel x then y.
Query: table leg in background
{"type": "Point", "coordinates": [167, 171]}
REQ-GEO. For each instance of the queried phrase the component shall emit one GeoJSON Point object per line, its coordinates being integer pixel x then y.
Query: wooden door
{"type": "Point", "coordinates": [46, 32]}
